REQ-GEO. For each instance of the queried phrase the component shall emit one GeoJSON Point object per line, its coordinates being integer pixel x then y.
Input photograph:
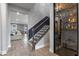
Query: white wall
{"type": "Point", "coordinates": [15, 9]}
{"type": "Point", "coordinates": [51, 31]}
{"type": "Point", "coordinates": [22, 18]}
{"type": "Point", "coordinates": [51, 28]}
{"type": "Point", "coordinates": [38, 12]}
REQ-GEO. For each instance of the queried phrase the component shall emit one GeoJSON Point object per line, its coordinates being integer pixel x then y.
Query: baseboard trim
{"type": "Point", "coordinates": [51, 50]}
{"type": "Point", "coordinates": [38, 47]}
{"type": "Point", "coordinates": [41, 46]}
{"type": "Point", "coordinates": [9, 46]}
{"type": "Point", "coordinates": [3, 52]}
{"type": "Point", "coordinates": [0, 52]}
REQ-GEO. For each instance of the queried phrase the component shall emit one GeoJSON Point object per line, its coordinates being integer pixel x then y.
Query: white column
{"type": "Point", "coordinates": [4, 44]}
{"type": "Point", "coordinates": [51, 28]}
{"type": "Point", "coordinates": [0, 28]}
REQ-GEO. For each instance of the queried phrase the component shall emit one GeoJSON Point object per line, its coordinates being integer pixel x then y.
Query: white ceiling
{"type": "Point", "coordinates": [26, 6]}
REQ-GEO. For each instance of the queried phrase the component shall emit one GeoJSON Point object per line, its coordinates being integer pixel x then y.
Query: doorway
{"type": "Point", "coordinates": [66, 29]}
{"type": "Point", "coordinates": [18, 32]}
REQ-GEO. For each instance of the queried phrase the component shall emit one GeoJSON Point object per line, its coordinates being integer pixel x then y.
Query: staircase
{"type": "Point", "coordinates": [39, 34]}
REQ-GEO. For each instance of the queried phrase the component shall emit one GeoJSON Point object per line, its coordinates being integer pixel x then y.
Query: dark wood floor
{"type": "Point", "coordinates": [66, 52]}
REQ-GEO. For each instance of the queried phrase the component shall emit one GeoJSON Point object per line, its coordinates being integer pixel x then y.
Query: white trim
{"type": "Point", "coordinates": [51, 50]}
{"type": "Point", "coordinates": [30, 42]}
{"type": "Point", "coordinates": [3, 52]}
{"type": "Point", "coordinates": [0, 51]}
{"type": "Point", "coordinates": [9, 46]}
{"type": "Point", "coordinates": [41, 46]}
{"type": "Point", "coordinates": [38, 47]}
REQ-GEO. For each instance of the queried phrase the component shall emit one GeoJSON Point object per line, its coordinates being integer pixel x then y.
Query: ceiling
{"type": "Point", "coordinates": [26, 6]}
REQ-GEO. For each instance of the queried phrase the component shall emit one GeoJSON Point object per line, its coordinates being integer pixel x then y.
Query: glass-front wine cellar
{"type": "Point", "coordinates": [66, 29]}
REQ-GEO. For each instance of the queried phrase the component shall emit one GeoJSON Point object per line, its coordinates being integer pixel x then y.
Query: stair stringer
{"type": "Point", "coordinates": [44, 41]}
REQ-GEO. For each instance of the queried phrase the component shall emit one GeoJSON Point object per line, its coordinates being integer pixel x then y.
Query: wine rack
{"type": "Point", "coordinates": [68, 17]}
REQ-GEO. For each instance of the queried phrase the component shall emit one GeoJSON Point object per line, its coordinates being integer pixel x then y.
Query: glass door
{"type": "Point", "coordinates": [66, 29]}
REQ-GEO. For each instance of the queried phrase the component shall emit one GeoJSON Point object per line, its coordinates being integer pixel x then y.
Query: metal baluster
{"type": "Point", "coordinates": [33, 44]}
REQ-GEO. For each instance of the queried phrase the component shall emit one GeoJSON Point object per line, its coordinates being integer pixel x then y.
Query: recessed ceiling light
{"type": "Point", "coordinates": [18, 13]}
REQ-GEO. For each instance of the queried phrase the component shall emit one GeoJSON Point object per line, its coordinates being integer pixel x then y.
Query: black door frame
{"type": "Point", "coordinates": [54, 28]}
{"type": "Point", "coordinates": [77, 29]}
